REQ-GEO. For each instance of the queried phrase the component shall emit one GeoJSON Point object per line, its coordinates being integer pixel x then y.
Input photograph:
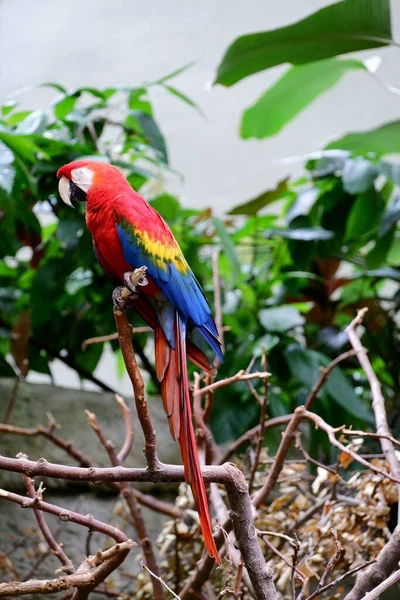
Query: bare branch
{"type": "Point", "coordinates": [375, 594]}
{"type": "Point", "coordinates": [56, 549]}
{"type": "Point", "coordinates": [128, 442]}
{"type": "Point", "coordinates": [378, 402]}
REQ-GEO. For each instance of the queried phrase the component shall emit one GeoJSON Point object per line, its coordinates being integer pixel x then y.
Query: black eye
{"type": "Point", "coordinates": [75, 193]}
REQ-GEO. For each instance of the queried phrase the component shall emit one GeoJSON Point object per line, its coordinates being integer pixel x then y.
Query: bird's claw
{"type": "Point", "coordinates": [119, 302]}
{"type": "Point", "coordinates": [128, 281]}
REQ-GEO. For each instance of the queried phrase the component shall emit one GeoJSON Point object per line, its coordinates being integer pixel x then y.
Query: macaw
{"type": "Point", "coordinates": [127, 234]}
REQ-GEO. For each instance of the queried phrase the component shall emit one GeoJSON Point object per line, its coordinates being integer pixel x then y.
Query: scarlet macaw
{"type": "Point", "coordinates": [127, 234]}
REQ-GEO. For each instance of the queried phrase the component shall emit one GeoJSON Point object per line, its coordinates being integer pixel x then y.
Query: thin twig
{"type": "Point", "coordinates": [263, 415]}
{"type": "Point", "coordinates": [158, 578]}
{"type": "Point", "coordinates": [113, 336]}
{"type": "Point", "coordinates": [240, 376]}
{"type": "Point", "coordinates": [262, 494]}
{"type": "Point", "coordinates": [331, 584]}
{"type": "Point", "coordinates": [128, 442]}
{"type": "Point", "coordinates": [55, 548]}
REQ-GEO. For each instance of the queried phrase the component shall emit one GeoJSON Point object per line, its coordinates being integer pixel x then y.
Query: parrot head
{"type": "Point", "coordinates": [88, 181]}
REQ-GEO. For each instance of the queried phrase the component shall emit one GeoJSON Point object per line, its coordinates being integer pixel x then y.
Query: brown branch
{"type": "Point", "coordinates": [331, 584]}
{"type": "Point", "coordinates": [251, 433]}
{"type": "Point", "coordinates": [330, 431]}
{"type": "Point", "coordinates": [55, 548]}
{"type": "Point", "coordinates": [263, 415]}
{"type": "Point", "coordinates": [147, 500]}
{"type": "Point", "coordinates": [299, 446]}
{"type": "Point", "coordinates": [262, 494]}
{"type": "Point", "coordinates": [212, 450]}
{"type": "Point", "coordinates": [386, 561]}
{"type": "Point", "coordinates": [332, 561]}
{"type": "Point", "coordinates": [160, 581]}
{"type": "Point", "coordinates": [131, 502]}
{"type": "Point", "coordinates": [378, 402]}
{"type": "Point", "coordinates": [48, 433]}
{"type": "Point", "coordinates": [241, 514]}
{"type": "Point", "coordinates": [83, 578]}
{"type": "Point", "coordinates": [64, 514]}
{"type": "Point", "coordinates": [375, 594]}
{"type": "Point", "coordinates": [240, 376]}
{"type": "Point", "coordinates": [228, 475]}
{"type": "Point", "coordinates": [113, 336]}
{"type": "Point", "coordinates": [125, 342]}
{"type": "Point", "coordinates": [128, 442]}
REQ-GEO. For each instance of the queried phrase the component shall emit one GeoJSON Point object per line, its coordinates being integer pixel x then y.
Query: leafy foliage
{"type": "Point", "coordinates": [311, 46]}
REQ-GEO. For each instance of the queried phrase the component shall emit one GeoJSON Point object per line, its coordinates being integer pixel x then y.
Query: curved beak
{"type": "Point", "coordinates": [64, 189]}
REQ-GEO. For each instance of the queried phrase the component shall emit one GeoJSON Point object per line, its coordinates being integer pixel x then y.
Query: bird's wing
{"type": "Point", "coordinates": [147, 241]}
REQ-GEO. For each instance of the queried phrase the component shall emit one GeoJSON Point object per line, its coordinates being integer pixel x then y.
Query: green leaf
{"type": "Point", "coordinates": [340, 28]}
{"type": "Point", "coordinates": [174, 73]}
{"type": "Point", "coordinates": [22, 146]}
{"type": "Point", "coordinates": [55, 86]}
{"type": "Point", "coordinates": [151, 132]}
{"type": "Point", "coordinates": [182, 96]}
{"type": "Point", "coordinates": [137, 100]}
{"type": "Point", "coordinates": [8, 107]}
{"type": "Point", "coordinates": [291, 94]}
{"type": "Point", "coordinates": [358, 175]}
{"type": "Point", "coordinates": [227, 246]}
{"type": "Point", "coordinates": [253, 206]}
{"type": "Point", "coordinates": [280, 318]}
{"type": "Point", "coordinates": [63, 107]}
{"type": "Point", "coordinates": [377, 255]}
{"type": "Point", "coordinates": [304, 234]}
{"type": "Point", "coordinates": [341, 391]}
{"type": "Point", "coordinates": [254, 225]}
{"type": "Point", "coordinates": [364, 215]}
{"type": "Point", "coordinates": [380, 141]}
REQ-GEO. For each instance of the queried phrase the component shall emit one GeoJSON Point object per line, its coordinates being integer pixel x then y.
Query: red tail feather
{"type": "Point", "coordinates": [176, 399]}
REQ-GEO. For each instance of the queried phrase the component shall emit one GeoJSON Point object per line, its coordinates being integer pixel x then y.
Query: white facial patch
{"type": "Point", "coordinates": [63, 188]}
{"type": "Point", "coordinates": [83, 178]}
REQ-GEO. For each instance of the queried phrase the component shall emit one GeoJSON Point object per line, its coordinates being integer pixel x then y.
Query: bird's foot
{"type": "Point", "coordinates": [135, 278]}
{"type": "Point", "coordinates": [119, 298]}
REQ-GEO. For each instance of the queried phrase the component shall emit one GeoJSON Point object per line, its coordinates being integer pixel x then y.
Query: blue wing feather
{"type": "Point", "coordinates": [181, 289]}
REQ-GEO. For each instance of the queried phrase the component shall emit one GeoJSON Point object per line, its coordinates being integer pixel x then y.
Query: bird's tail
{"type": "Point", "coordinates": [171, 371]}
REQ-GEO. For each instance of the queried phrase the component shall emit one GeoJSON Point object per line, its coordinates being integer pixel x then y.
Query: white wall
{"type": "Point", "coordinates": [105, 42]}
